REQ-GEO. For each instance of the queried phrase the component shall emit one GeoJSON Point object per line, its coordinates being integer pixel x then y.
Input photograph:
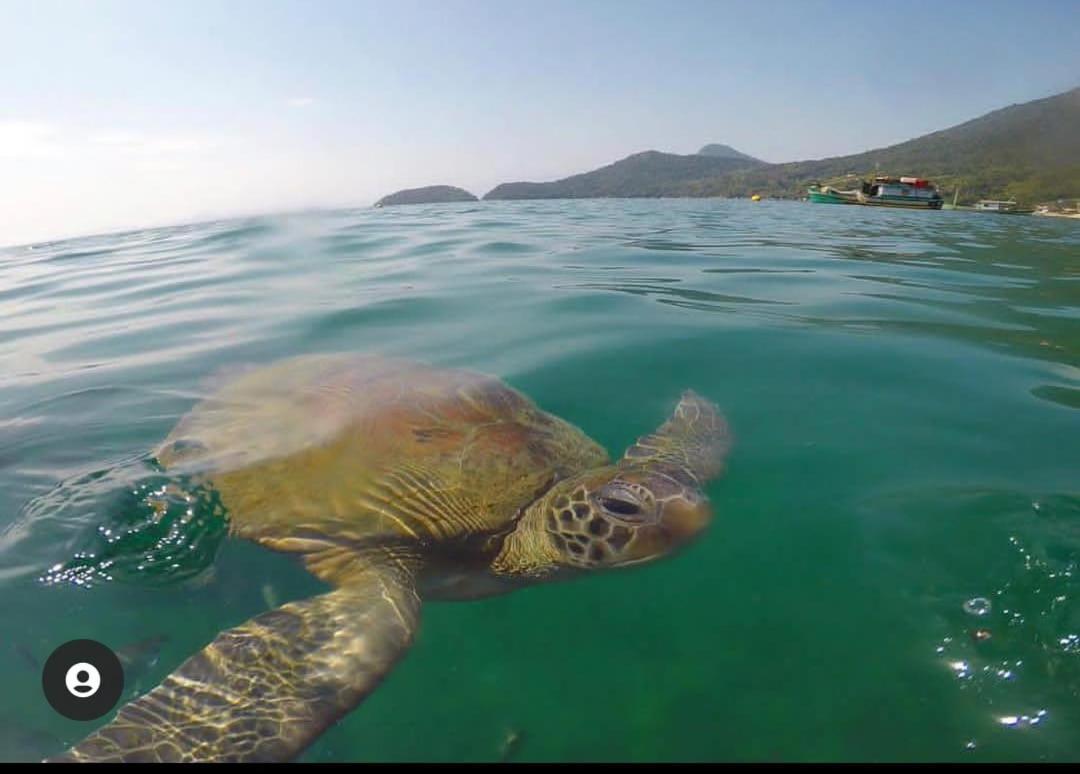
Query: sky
{"type": "Point", "coordinates": [119, 114]}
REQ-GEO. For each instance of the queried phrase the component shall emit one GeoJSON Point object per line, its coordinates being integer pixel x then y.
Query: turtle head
{"type": "Point", "coordinates": [619, 516]}
{"type": "Point", "coordinates": [644, 507]}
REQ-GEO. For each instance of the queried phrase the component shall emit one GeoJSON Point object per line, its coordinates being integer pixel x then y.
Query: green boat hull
{"type": "Point", "coordinates": [830, 197]}
{"type": "Point", "coordinates": [902, 202]}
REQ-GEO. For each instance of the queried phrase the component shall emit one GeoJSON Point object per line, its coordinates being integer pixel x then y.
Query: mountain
{"type": "Point", "coordinates": [650, 173]}
{"type": "Point", "coordinates": [1029, 152]}
{"type": "Point", "coordinates": [716, 150]}
{"type": "Point", "coordinates": [429, 195]}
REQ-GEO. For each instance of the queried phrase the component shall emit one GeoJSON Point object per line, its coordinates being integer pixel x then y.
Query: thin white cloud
{"type": "Point", "coordinates": [300, 102]}
{"type": "Point", "coordinates": [116, 138]}
{"type": "Point", "coordinates": [171, 145]}
{"type": "Point", "coordinates": [57, 179]}
{"type": "Point", "coordinates": [149, 145]}
{"type": "Point", "coordinates": [29, 139]}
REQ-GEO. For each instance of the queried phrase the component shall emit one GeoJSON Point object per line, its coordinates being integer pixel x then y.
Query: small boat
{"type": "Point", "coordinates": [824, 194]}
{"type": "Point", "coordinates": [884, 191]}
{"type": "Point", "coordinates": [909, 192]}
{"type": "Point", "coordinates": [1005, 207]}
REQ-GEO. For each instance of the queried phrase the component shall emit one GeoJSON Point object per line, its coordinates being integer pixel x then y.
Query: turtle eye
{"type": "Point", "coordinates": [621, 502]}
{"type": "Point", "coordinates": [620, 507]}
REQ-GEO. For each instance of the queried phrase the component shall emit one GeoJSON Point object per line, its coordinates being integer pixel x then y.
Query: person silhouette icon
{"type": "Point", "coordinates": [82, 679]}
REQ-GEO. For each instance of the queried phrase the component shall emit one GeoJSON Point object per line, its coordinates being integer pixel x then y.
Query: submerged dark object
{"type": "Point", "coordinates": [142, 654]}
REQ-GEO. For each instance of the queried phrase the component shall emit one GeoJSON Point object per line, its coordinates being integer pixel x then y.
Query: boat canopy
{"type": "Point", "coordinates": [917, 182]}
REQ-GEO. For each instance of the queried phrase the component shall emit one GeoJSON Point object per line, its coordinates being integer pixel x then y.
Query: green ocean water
{"type": "Point", "coordinates": [905, 394]}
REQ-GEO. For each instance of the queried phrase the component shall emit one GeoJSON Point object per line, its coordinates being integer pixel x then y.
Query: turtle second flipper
{"type": "Point", "coordinates": [265, 690]}
{"type": "Point", "coordinates": [693, 441]}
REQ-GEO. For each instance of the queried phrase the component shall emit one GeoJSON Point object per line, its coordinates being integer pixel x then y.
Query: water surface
{"type": "Point", "coordinates": [904, 388]}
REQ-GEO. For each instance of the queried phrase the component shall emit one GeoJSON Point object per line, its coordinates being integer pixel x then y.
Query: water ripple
{"type": "Point", "coordinates": [905, 388]}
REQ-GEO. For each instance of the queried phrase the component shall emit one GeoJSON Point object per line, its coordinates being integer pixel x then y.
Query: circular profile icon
{"type": "Point", "coordinates": [82, 680]}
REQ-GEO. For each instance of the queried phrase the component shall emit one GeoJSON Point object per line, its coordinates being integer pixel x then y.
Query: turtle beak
{"type": "Point", "coordinates": [684, 519]}
{"type": "Point", "coordinates": [679, 523]}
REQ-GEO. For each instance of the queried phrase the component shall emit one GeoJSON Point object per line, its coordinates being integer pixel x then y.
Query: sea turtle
{"type": "Point", "coordinates": [395, 482]}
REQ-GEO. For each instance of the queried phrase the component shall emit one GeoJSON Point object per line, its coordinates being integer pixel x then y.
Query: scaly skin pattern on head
{"type": "Point", "coordinates": [644, 507]}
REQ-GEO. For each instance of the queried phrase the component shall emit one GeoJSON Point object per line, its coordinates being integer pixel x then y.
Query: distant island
{"type": "Point", "coordinates": [1028, 152]}
{"type": "Point", "coordinates": [427, 195]}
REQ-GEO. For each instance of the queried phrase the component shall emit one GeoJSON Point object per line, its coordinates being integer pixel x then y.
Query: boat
{"type": "Point", "coordinates": [824, 194]}
{"type": "Point", "coordinates": [1005, 207]}
{"type": "Point", "coordinates": [908, 192]}
{"type": "Point", "coordinates": [883, 191]}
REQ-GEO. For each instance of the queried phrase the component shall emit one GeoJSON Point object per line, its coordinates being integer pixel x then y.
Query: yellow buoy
{"type": "Point", "coordinates": [755, 198]}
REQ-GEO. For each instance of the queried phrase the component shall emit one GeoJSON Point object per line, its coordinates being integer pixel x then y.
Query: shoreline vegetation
{"type": "Point", "coordinates": [1029, 153]}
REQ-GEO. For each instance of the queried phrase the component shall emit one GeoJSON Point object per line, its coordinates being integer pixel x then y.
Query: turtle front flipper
{"type": "Point", "coordinates": [694, 441]}
{"type": "Point", "coordinates": [265, 690]}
